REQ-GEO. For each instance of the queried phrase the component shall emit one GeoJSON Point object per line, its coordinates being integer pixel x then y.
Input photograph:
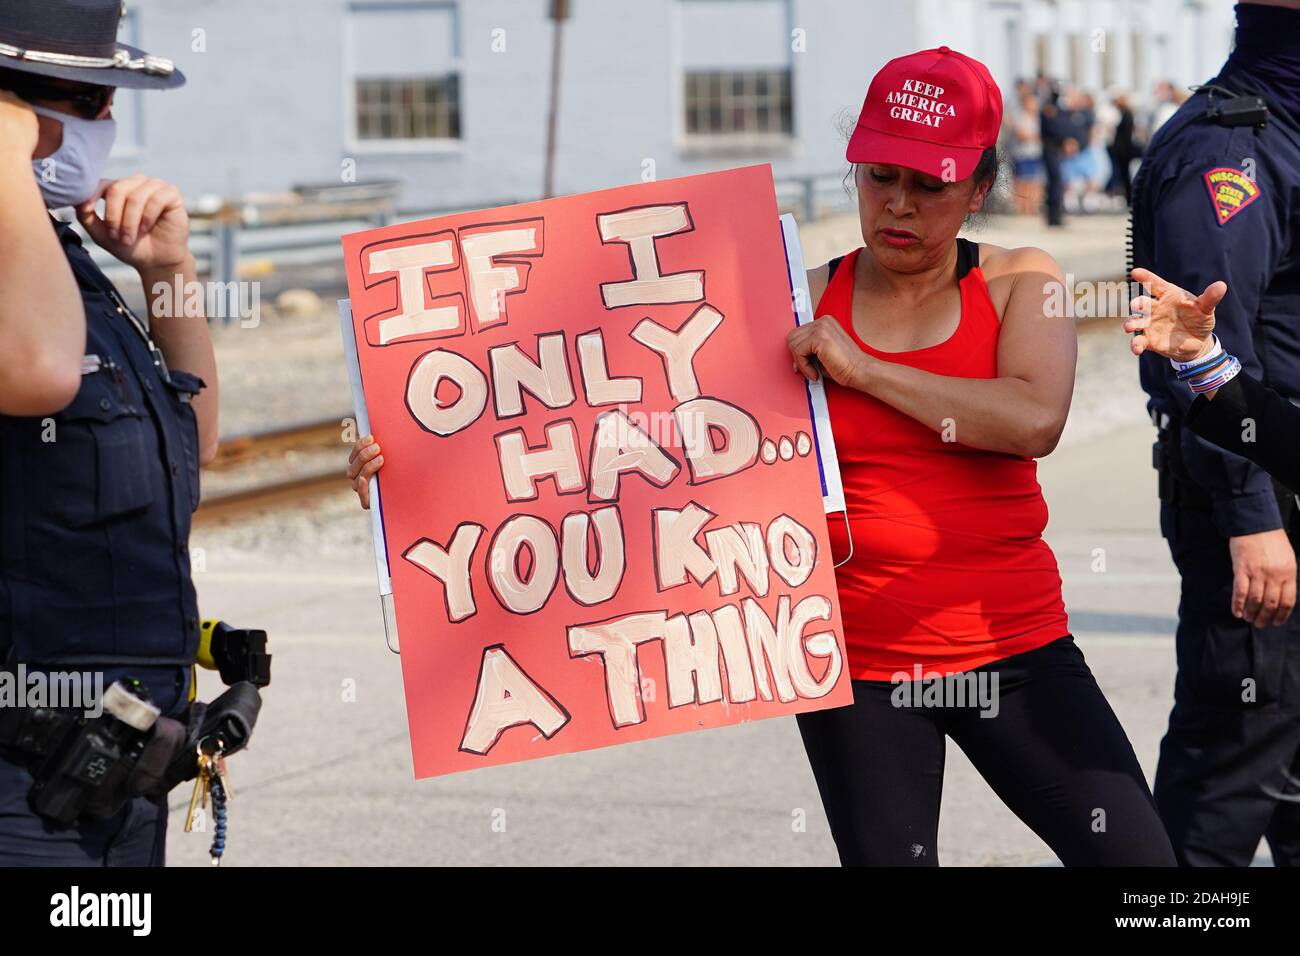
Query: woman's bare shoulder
{"type": "Point", "coordinates": [998, 262]}
{"type": "Point", "coordinates": [817, 281]}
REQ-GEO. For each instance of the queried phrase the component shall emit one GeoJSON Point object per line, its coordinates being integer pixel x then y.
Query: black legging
{"type": "Point", "coordinates": [1054, 753]}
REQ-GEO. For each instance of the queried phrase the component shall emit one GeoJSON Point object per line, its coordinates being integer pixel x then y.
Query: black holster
{"type": "Point", "coordinates": [168, 757]}
{"type": "Point", "coordinates": [223, 726]}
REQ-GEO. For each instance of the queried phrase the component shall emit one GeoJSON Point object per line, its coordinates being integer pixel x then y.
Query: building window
{"type": "Point", "coordinates": [404, 71]}
{"type": "Point", "coordinates": [728, 103]}
{"type": "Point", "coordinates": [737, 95]}
{"type": "Point", "coordinates": [408, 108]}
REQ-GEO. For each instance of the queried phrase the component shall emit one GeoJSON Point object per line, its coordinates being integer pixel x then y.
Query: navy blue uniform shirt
{"type": "Point", "coordinates": [1215, 202]}
{"type": "Point", "coordinates": [95, 511]}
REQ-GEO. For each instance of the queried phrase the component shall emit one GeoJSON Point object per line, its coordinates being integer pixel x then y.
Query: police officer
{"type": "Point", "coordinates": [105, 414]}
{"type": "Point", "coordinates": [1216, 198]}
{"type": "Point", "coordinates": [1054, 134]}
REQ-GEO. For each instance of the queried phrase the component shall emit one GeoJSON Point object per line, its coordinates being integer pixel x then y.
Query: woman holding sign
{"type": "Point", "coordinates": [950, 375]}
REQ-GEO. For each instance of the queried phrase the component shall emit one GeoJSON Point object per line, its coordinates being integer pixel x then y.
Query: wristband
{"type": "Point", "coordinates": [1205, 368]}
{"type": "Point", "coordinates": [1214, 353]}
{"type": "Point", "coordinates": [1219, 379]}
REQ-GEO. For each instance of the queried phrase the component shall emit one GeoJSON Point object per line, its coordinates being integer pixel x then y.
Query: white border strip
{"type": "Point", "coordinates": [376, 509]}
{"type": "Point", "coordinates": [801, 301]}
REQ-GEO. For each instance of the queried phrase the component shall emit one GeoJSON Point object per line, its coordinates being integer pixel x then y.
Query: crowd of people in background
{"type": "Point", "coordinates": [1073, 151]}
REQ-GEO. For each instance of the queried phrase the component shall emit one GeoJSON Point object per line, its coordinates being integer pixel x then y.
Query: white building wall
{"type": "Point", "coordinates": [268, 100]}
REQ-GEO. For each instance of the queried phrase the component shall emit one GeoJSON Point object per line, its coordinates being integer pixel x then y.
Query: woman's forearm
{"type": "Point", "coordinates": [42, 320]}
{"type": "Point", "coordinates": [185, 341]}
{"type": "Point", "coordinates": [993, 414]}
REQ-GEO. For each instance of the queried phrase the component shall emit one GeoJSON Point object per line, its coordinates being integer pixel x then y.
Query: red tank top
{"type": "Point", "coordinates": [949, 567]}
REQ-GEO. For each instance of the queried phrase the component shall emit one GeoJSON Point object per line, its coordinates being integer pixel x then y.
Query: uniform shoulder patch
{"type": "Point", "coordinates": [1231, 191]}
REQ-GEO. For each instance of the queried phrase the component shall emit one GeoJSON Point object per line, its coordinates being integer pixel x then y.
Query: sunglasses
{"type": "Point", "coordinates": [88, 102]}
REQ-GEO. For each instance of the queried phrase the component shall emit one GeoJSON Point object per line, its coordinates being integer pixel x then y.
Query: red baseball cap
{"type": "Point", "coordinates": [935, 111]}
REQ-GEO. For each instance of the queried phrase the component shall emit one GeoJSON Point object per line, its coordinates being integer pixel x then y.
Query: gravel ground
{"type": "Point", "coordinates": [331, 524]}
{"type": "Point", "coordinates": [261, 471]}
{"type": "Point", "coordinates": [282, 371]}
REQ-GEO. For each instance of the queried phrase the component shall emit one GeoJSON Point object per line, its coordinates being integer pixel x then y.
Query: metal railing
{"type": "Point", "coordinates": [304, 227]}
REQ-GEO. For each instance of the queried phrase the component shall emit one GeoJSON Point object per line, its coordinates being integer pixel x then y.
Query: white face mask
{"type": "Point", "coordinates": [70, 175]}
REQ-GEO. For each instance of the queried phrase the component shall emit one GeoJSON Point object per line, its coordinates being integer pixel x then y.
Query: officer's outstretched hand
{"type": "Point", "coordinates": [364, 461]}
{"type": "Point", "coordinates": [144, 223]}
{"type": "Point", "coordinates": [1173, 322]}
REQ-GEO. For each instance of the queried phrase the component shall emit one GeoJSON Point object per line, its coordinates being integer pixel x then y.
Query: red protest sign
{"type": "Point", "coordinates": [601, 502]}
